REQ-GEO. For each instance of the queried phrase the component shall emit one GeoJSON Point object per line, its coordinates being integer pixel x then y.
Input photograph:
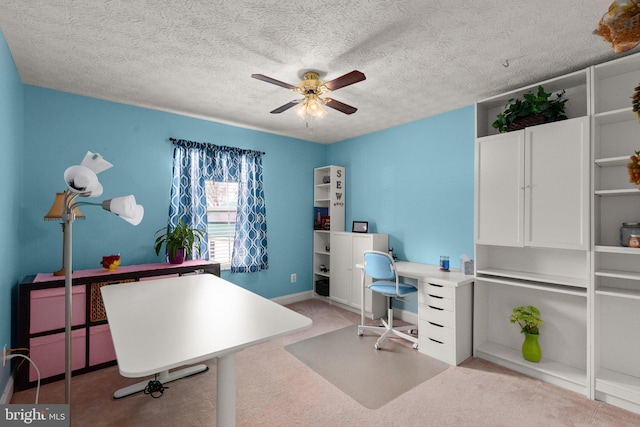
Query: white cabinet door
{"type": "Point", "coordinates": [341, 268]}
{"type": "Point", "coordinates": [361, 243]}
{"type": "Point", "coordinates": [499, 189]}
{"type": "Point", "coordinates": [532, 186]}
{"type": "Point", "coordinates": [557, 185]}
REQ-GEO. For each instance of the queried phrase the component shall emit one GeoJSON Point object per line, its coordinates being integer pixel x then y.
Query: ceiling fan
{"type": "Point", "coordinates": [311, 87]}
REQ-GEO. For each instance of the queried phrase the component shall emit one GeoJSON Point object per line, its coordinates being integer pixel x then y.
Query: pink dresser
{"type": "Point", "coordinates": [42, 317]}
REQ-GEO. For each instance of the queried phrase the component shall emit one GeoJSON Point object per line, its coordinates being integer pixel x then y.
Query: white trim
{"type": "Point", "coordinates": [290, 299]}
{"type": "Point", "coordinates": [7, 393]}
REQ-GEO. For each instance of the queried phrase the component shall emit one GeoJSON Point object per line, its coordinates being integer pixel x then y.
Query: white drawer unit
{"type": "Point", "coordinates": [445, 303]}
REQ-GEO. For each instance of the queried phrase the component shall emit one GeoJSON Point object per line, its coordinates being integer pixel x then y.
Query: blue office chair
{"type": "Point", "coordinates": [382, 270]}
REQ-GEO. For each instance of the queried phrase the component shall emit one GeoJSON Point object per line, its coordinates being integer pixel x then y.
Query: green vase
{"type": "Point", "coordinates": [531, 348]}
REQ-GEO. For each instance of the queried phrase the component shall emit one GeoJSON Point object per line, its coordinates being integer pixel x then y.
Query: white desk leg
{"type": "Point", "coordinates": [226, 391]}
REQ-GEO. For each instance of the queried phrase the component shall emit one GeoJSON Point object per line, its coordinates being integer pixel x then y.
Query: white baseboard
{"type": "Point", "coordinates": [290, 299]}
{"type": "Point", "coordinates": [7, 393]}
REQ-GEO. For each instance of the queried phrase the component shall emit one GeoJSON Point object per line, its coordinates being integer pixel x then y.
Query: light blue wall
{"type": "Point", "coordinates": [61, 127]}
{"type": "Point", "coordinates": [11, 137]}
{"type": "Point", "coordinates": [415, 183]}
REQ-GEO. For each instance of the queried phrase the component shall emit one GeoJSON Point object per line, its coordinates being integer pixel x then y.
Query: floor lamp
{"type": "Point", "coordinates": [82, 181]}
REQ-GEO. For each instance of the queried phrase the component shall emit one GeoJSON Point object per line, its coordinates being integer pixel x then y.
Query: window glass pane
{"type": "Point", "coordinates": [222, 201]}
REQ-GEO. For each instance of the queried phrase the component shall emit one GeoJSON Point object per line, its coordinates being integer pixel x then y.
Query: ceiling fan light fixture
{"type": "Point", "coordinates": [312, 106]}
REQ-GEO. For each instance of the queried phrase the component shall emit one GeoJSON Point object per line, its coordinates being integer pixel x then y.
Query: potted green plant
{"type": "Point", "coordinates": [528, 317]}
{"type": "Point", "coordinates": [179, 241]}
{"type": "Point", "coordinates": [532, 109]}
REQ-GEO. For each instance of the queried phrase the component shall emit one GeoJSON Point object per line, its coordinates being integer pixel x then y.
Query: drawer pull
{"type": "Point", "coordinates": [435, 324]}
{"type": "Point", "coordinates": [437, 286]}
{"type": "Point", "coordinates": [435, 296]}
{"type": "Point", "coordinates": [439, 342]}
{"type": "Point", "coordinates": [435, 308]}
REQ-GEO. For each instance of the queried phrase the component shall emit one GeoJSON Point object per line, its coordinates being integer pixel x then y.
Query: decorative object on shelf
{"type": "Point", "coordinates": [444, 263]}
{"type": "Point", "coordinates": [110, 262]}
{"type": "Point", "coordinates": [318, 214]}
{"type": "Point", "coordinates": [627, 230]}
{"type": "Point", "coordinates": [360, 226]}
{"type": "Point", "coordinates": [179, 241]}
{"type": "Point", "coordinates": [634, 241]}
{"type": "Point", "coordinates": [466, 265]}
{"type": "Point", "coordinates": [326, 179]}
{"type": "Point", "coordinates": [620, 26]}
{"type": "Point", "coordinates": [633, 167]}
{"type": "Point", "coordinates": [528, 317]}
{"type": "Point", "coordinates": [636, 101]}
{"type": "Point", "coordinates": [532, 110]}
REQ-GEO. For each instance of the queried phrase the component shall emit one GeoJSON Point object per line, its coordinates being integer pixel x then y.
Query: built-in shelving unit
{"type": "Point", "coordinates": [329, 184]}
{"type": "Point", "coordinates": [528, 251]}
{"type": "Point", "coordinates": [616, 269]}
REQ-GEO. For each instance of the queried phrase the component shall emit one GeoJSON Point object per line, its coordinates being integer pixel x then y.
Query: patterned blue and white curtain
{"type": "Point", "coordinates": [196, 162]}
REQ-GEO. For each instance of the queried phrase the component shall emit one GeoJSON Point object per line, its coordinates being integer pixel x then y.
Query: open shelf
{"type": "Point", "coordinates": [618, 192]}
{"type": "Point", "coordinates": [617, 250]}
{"type": "Point", "coordinates": [549, 370]}
{"type": "Point", "coordinates": [612, 161]}
{"type": "Point", "coordinates": [615, 116]}
{"type": "Point", "coordinates": [619, 385]}
{"type": "Point", "coordinates": [618, 274]}
{"type": "Point", "coordinates": [545, 282]}
{"type": "Point", "coordinates": [618, 292]}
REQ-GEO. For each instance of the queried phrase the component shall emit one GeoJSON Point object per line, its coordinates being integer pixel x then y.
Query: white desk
{"type": "Point", "coordinates": [445, 310]}
{"type": "Point", "coordinates": [163, 324]}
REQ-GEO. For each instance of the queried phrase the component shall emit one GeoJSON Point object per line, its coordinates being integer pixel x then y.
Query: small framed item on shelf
{"type": "Point", "coordinates": [360, 227]}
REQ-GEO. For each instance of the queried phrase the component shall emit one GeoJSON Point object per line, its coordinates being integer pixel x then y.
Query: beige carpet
{"type": "Point", "coordinates": [274, 388]}
{"type": "Point", "coordinates": [371, 377]}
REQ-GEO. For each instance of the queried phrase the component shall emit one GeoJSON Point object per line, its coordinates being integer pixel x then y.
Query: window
{"type": "Point", "coordinates": [222, 204]}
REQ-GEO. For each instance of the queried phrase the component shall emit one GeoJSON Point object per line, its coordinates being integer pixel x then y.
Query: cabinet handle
{"type": "Point", "coordinates": [437, 286]}
{"type": "Point", "coordinates": [435, 324]}
{"type": "Point", "coordinates": [439, 342]}
{"type": "Point", "coordinates": [435, 296]}
{"type": "Point", "coordinates": [435, 308]}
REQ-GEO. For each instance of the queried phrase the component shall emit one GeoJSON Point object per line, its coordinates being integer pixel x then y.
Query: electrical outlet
{"type": "Point", "coordinates": [293, 278]}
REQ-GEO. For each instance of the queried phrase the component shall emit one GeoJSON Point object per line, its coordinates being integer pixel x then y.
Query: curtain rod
{"type": "Point", "coordinates": [175, 140]}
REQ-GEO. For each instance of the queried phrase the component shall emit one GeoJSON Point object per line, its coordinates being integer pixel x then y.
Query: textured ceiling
{"type": "Point", "coordinates": [195, 58]}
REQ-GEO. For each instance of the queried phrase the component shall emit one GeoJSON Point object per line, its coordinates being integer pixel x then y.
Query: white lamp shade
{"type": "Point", "coordinates": [95, 162]}
{"type": "Point", "coordinates": [126, 208]}
{"type": "Point", "coordinates": [82, 180]}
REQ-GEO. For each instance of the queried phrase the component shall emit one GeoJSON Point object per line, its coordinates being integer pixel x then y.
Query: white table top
{"type": "Point", "coordinates": [430, 273]}
{"type": "Point", "coordinates": [162, 324]}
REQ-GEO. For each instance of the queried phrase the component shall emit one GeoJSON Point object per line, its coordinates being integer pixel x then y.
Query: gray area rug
{"type": "Point", "coordinates": [371, 377]}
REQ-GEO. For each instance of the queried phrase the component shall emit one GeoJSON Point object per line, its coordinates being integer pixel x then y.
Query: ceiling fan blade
{"type": "Point", "coordinates": [340, 106]}
{"type": "Point", "coordinates": [286, 106]}
{"type": "Point", "coordinates": [348, 79]}
{"type": "Point", "coordinates": [273, 81]}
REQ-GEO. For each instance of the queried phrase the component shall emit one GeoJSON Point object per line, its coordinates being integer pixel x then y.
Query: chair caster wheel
{"type": "Point", "coordinates": [360, 333]}
{"type": "Point", "coordinates": [415, 346]}
{"type": "Point", "coordinates": [376, 346]}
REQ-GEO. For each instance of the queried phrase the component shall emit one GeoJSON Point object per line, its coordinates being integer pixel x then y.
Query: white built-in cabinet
{"type": "Point", "coordinates": [329, 186]}
{"type": "Point", "coordinates": [616, 269]}
{"type": "Point", "coordinates": [587, 286]}
{"type": "Point", "coordinates": [533, 186]}
{"type": "Point", "coordinates": [532, 193]}
{"type": "Point", "coordinates": [347, 250]}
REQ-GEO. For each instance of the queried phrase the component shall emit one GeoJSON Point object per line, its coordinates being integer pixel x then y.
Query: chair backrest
{"type": "Point", "coordinates": [380, 266]}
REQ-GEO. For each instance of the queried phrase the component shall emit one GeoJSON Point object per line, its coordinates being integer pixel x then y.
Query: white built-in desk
{"type": "Point", "coordinates": [445, 311]}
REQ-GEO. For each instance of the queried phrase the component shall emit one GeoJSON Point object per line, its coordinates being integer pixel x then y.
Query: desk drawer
{"type": "Point", "coordinates": [435, 348]}
{"type": "Point", "coordinates": [436, 315]}
{"type": "Point", "coordinates": [437, 290]}
{"type": "Point", "coordinates": [437, 332]}
{"type": "Point", "coordinates": [436, 301]}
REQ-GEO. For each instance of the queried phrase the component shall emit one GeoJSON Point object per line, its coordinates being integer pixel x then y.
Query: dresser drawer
{"type": "Point", "coordinates": [437, 332]}
{"type": "Point", "coordinates": [437, 290]}
{"type": "Point", "coordinates": [436, 315]}
{"type": "Point", "coordinates": [436, 301]}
